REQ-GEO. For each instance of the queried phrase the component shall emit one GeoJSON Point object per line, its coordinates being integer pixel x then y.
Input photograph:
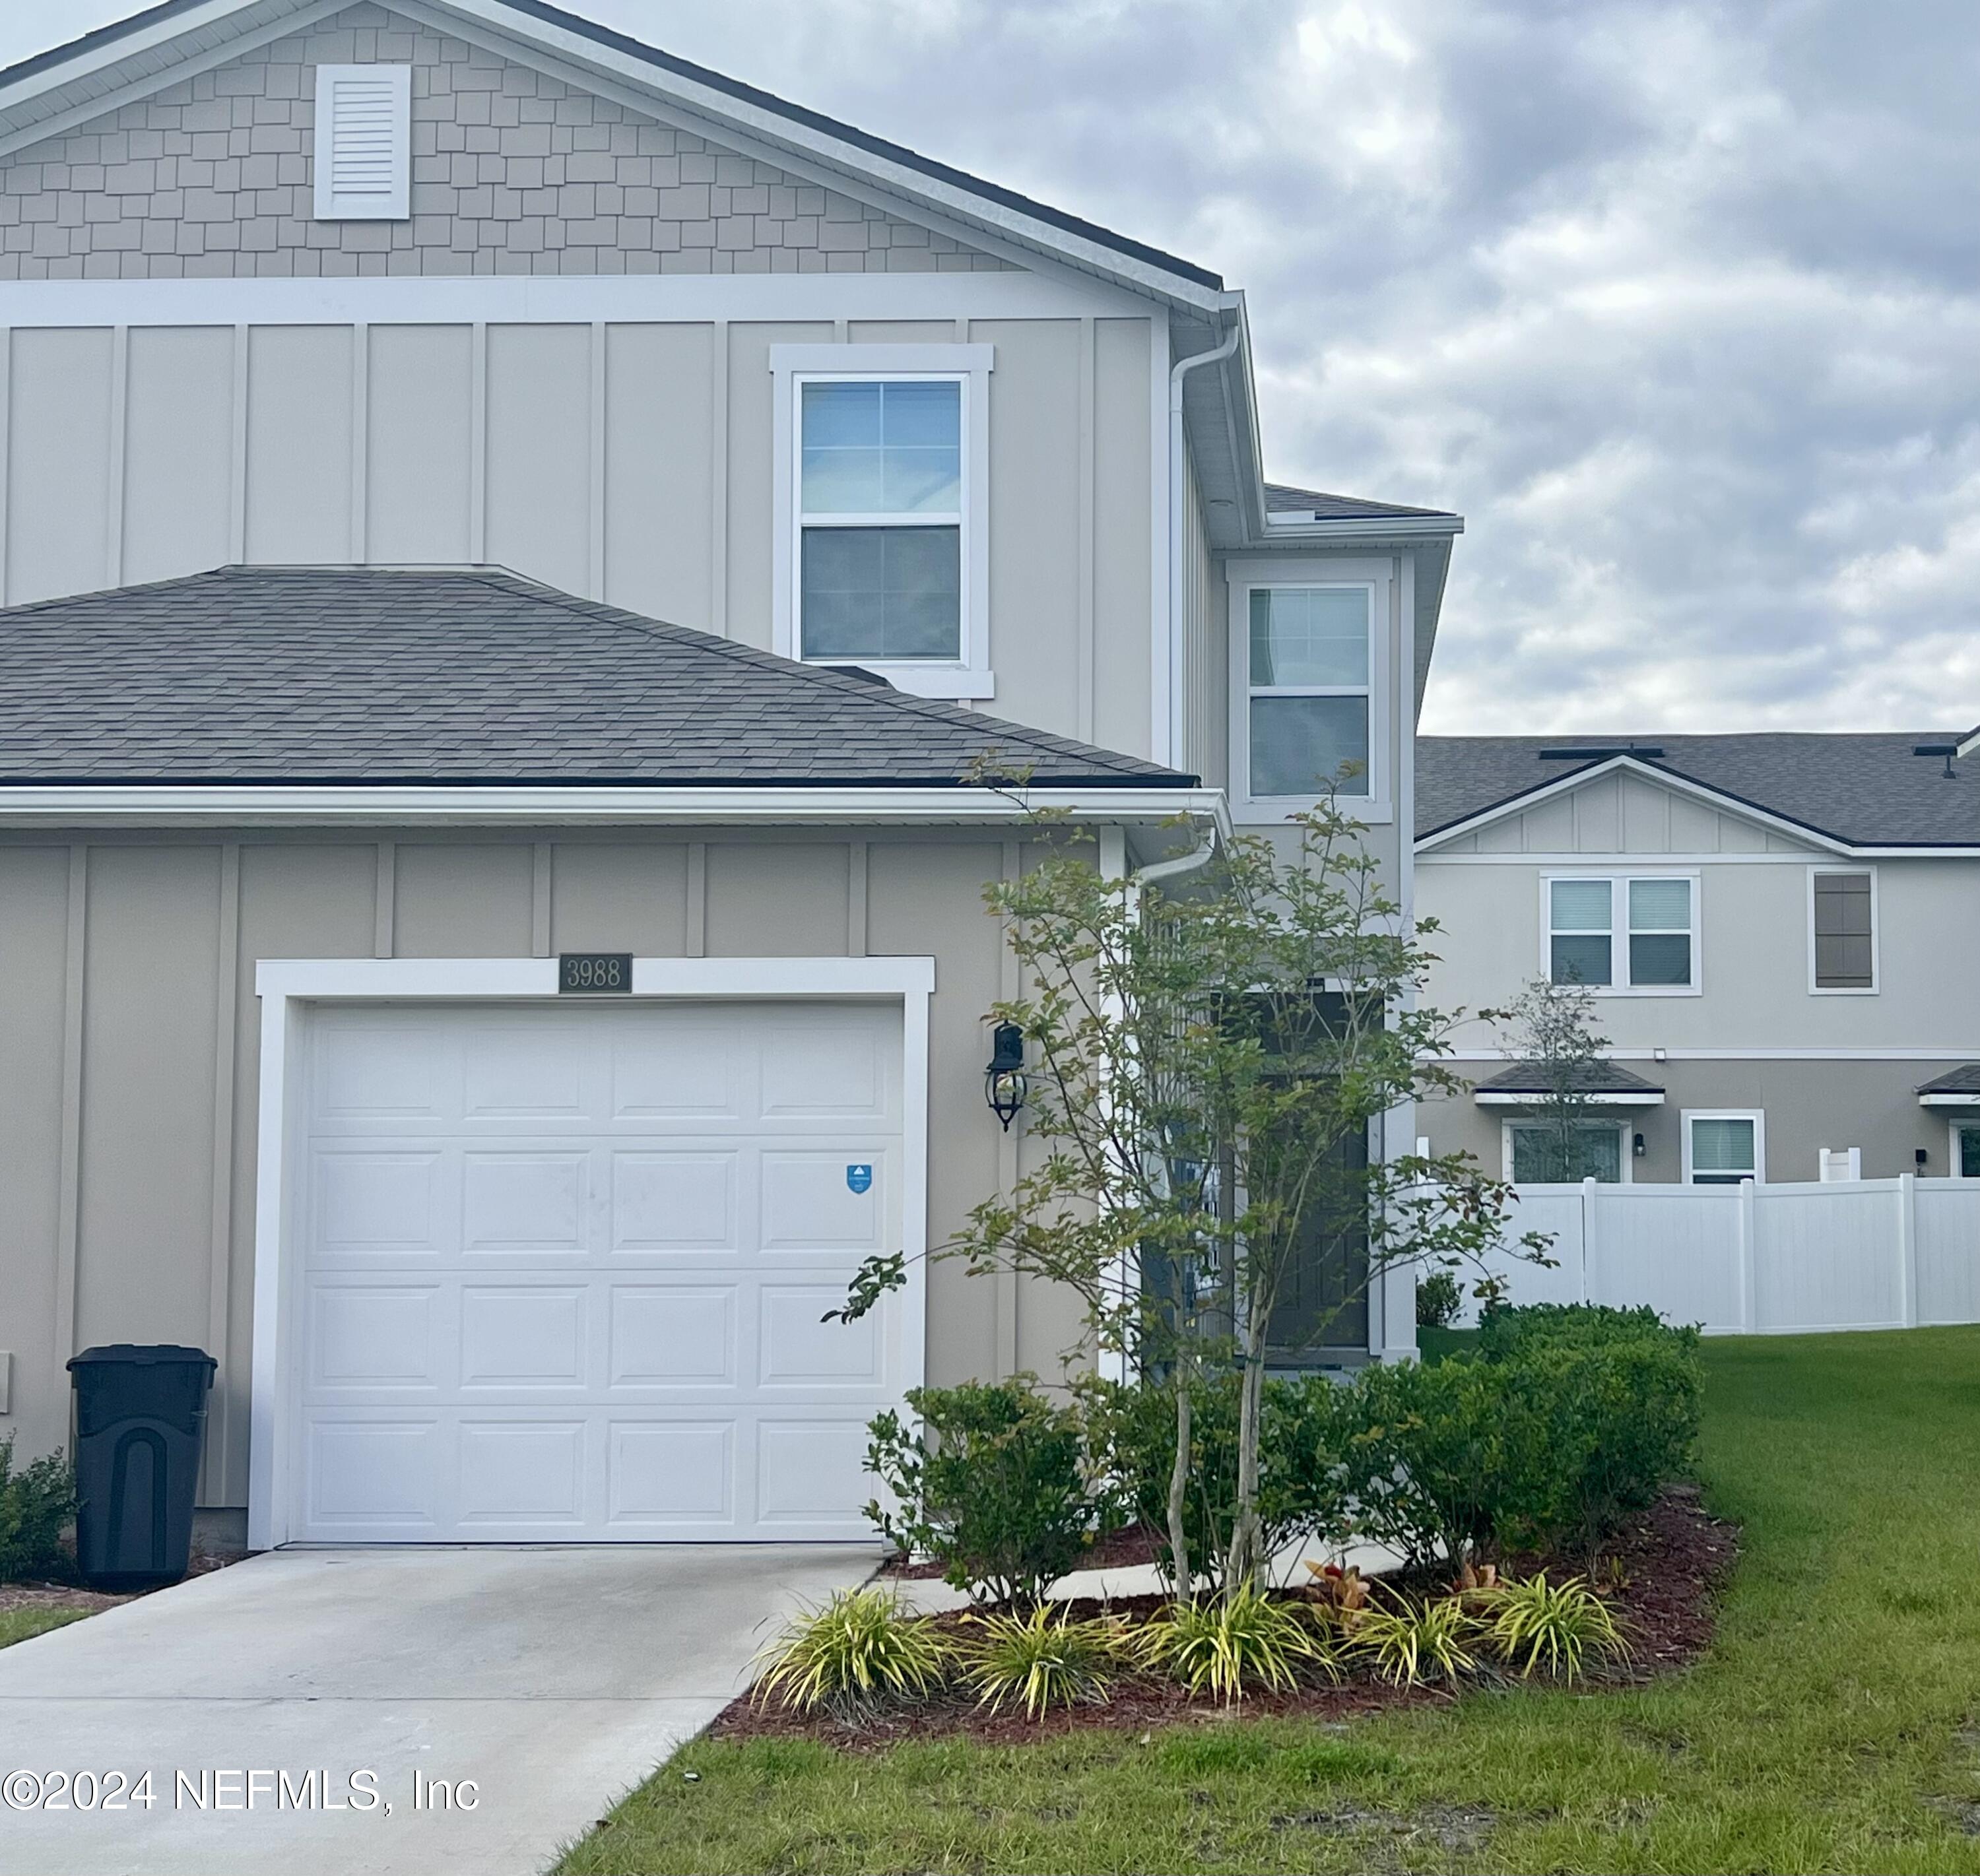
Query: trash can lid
{"type": "Point", "coordinates": [140, 1355]}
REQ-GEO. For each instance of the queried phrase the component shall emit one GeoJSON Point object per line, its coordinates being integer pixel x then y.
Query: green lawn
{"type": "Point", "coordinates": [16, 1625]}
{"type": "Point", "coordinates": [1836, 1726]}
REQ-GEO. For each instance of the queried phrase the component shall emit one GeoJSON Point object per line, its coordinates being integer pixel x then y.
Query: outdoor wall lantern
{"type": "Point", "coordinates": [1637, 1148]}
{"type": "Point", "coordinates": [1005, 1084]}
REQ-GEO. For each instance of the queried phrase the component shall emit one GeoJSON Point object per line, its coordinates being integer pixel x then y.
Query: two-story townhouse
{"type": "Point", "coordinates": [494, 1020]}
{"type": "Point", "coordinates": [1773, 928]}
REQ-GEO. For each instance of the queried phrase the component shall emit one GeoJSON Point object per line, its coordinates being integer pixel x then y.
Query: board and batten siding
{"type": "Point", "coordinates": [626, 461]}
{"type": "Point", "coordinates": [127, 1193]}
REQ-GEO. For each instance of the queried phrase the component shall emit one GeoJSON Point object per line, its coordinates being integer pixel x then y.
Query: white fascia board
{"type": "Point", "coordinates": [1679, 784]}
{"type": "Point", "coordinates": [1949, 1100]}
{"type": "Point", "coordinates": [773, 128]}
{"type": "Point", "coordinates": [1372, 528]}
{"type": "Point", "coordinates": [1509, 1098]}
{"type": "Point", "coordinates": [243, 804]}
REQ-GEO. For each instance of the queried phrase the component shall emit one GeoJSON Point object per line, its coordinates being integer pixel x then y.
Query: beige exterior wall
{"type": "Point", "coordinates": [126, 1194]}
{"type": "Point", "coordinates": [1829, 1069]}
{"type": "Point", "coordinates": [514, 171]}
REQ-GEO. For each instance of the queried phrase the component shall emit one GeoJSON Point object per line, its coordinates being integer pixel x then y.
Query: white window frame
{"type": "Point", "coordinates": [1953, 1130]}
{"type": "Point", "coordinates": [1626, 1145]}
{"type": "Point", "coordinates": [1618, 929]}
{"type": "Point", "coordinates": [397, 205]}
{"type": "Point", "coordinates": [1876, 926]}
{"type": "Point", "coordinates": [968, 677]}
{"type": "Point", "coordinates": [1757, 1115]}
{"type": "Point", "coordinates": [1244, 577]}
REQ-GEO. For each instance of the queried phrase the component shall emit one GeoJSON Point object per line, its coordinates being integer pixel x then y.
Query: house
{"type": "Point", "coordinates": [514, 546]}
{"type": "Point", "coordinates": [1773, 929]}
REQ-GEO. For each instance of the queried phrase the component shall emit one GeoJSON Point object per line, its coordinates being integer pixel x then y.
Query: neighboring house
{"type": "Point", "coordinates": [315, 319]}
{"type": "Point", "coordinates": [1776, 930]}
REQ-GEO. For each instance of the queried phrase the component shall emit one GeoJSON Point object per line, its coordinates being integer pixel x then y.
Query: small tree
{"type": "Point", "coordinates": [1209, 1064]}
{"type": "Point", "coordinates": [1549, 1027]}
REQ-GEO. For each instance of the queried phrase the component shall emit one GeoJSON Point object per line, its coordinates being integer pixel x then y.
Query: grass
{"type": "Point", "coordinates": [1831, 1729]}
{"type": "Point", "coordinates": [17, 1625]}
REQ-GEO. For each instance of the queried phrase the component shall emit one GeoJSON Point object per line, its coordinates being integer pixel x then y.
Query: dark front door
{"type": "Point", "coordinates": [1322, 1306]}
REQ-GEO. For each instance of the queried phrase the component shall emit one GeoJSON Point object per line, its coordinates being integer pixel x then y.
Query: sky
{"type": "Point", "coordinates": [1678, 304]}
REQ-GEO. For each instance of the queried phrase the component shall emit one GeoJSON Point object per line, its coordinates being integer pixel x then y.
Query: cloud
{"type": "Point", "coordinates": [1677, 300]}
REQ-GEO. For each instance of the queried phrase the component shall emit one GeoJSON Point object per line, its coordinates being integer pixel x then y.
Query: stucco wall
{"type": "Point", "coordinates": [514, 171]}
{"type": "Point", "coordinates": [127, 1193]}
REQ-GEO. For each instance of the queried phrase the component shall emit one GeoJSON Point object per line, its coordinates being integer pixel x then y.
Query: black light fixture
{"type": "Point", "coordinates": [1921, 1158]}
{"type": "Point", "coordinates": [1637, 1148]}
{"type": "Point", "coordinates": [1005, 1084]}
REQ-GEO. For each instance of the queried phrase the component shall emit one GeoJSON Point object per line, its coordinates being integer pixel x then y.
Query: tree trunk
{"type": "Point", "coordinates": [1245, 1564]}
{"type": "Point", "coordinates": [1179, 1483]}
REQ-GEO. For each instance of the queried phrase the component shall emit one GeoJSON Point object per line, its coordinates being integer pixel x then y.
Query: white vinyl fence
{"type": "Point", "coordinates": [1863, 1254]}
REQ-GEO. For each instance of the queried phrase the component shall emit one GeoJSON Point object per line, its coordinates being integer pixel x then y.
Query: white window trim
{"type": "Point", "coordinates": [967, 678]}
{"type": "Point", "coordinates": [1756, 1115]}
{"type": "Point", "coordinates": [289, 987]}
{"type": "Point", "coordinates": [1953, 1130]}
{"type": "Point", "coordinates": [1619, 928]}
{"type": "Point", "coordinates": [1627, 1149]}
{"type": "Point", "coordinates": [1244, 576]}
{"type": "Point", "coordinates": [1876, 961]}
{"type": "Point", "coordinates": [398, 206]}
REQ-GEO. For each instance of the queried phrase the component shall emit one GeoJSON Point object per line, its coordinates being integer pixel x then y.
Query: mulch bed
{"type": "Point", "coordinates": [1661, 1574]}
{"type": "Point", "coordinates": [93, 1602]}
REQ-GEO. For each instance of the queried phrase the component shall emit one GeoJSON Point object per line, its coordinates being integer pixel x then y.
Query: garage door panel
{"type": "Point", "coordinates": [811, 1472]}
{"type": "Point", "coordinates": [365, 1337]}
{"type": "Point", "coordinates": [531, 1337]}
{"type": "Point", "coordinates": [521, 1473]}
{"type": "Point", "coordinates": [371, 1204]}
{"type": "Point", "coordinates": [577, 1294]}
{"type": "Point", "coordinates": [521, 1203]}
{"type": "Point", "coordinates": [664, 1477]}
{"type": "Point", "coordinates": [676, 1202]}
{"type": "Point", "coordinates": [797, 1348]}
{"type": "Point", "coordinates": [673, 1336]}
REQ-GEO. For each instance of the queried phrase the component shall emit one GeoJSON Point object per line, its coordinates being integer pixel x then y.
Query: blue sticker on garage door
{"type": "Point", "coordinates": [859, 1177]}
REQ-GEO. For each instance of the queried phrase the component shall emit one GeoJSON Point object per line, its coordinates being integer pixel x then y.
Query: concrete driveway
{"type": "Point", "coordinates": [554, 1679]}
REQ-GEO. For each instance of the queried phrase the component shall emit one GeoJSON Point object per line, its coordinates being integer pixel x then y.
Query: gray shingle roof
{"type": "Point", "coordinates": [1865, 789]}
{"type": "Point", "coordinates": [1280, 500]}
{"type": "Point", "coordinates": [462, 675]}
{"type": "Point", "coordinates": [1595, 1078]}
{"type": "Point", "coordinates": [1963, 1080]}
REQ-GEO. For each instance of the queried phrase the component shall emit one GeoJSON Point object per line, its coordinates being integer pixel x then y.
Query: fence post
{"type": "Point", "coordinates": [1587, 1239]}
{"type": "Point", "coordinates": [1749, 1308]}
{"type": "Point", "coordinates": [1907, 1249]}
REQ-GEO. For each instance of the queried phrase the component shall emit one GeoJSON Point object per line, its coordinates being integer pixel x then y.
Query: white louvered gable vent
{"type": "Point", "coordinates": [363, 143]}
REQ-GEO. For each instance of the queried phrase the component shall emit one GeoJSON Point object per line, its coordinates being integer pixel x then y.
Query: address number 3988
{"type": "Point", "coordinates": [595, 973]}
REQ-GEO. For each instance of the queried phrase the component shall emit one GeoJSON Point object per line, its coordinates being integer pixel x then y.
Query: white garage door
{"type": "Point", "coordinates": [564, 1268]}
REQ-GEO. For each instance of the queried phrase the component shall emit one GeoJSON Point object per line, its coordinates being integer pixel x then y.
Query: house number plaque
{"type": "Point", "coordinates": [595, 973]}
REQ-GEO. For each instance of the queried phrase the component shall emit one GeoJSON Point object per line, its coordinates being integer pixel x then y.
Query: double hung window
{"type": "Point", "coordinates": [1624, 933]}
{"type": "Point", "coordinates": [1310, 690]}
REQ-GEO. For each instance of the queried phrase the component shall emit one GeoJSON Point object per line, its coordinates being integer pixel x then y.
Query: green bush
{"type": "Point", "coordinates": [1233, 1647]}
{"type": "Point", "coordinates": [1438, 1299]}
{"type": "Point", "coordinates": [851, 1653]}
{"type": "Point", "coordinates": [1301, 1484]}
{"type": "Point", "coordinates": [1446, 1463]}
{"type": "Point", "coordinates": [995, 1490]}
{"type": "Point", "coordinates": [1504, 1330]}
{"type": "Point", "coordinates": [35, 1502]}
{"type": "Point", "coordinates": [1044, 1660]}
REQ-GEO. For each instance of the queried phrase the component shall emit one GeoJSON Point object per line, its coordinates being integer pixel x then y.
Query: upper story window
{"type": "Point", "coordinates": [1624, 933]}
{"type": "Point", "coordinates": [363, 143]}
{"type": "Point", "coordinates": [880, 519]}
{"type": "Point", "coordinates": [1308, 673]}
{"type": "Point", "coordinates": [882, 511]}
{"type": "Point", "coordinates": [1842, 927]}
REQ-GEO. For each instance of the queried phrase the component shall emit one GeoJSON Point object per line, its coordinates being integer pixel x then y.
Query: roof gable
{"type": "Point", "coordinates": [60, 90]}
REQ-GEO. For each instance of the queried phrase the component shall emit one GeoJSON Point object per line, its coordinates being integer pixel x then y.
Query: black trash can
{"type": "Point", "coordinates": [140, 1419]}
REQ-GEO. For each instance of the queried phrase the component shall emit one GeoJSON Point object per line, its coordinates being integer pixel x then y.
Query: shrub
{"type": "Point", "coordinates": [997, 1495]}
{"type": "Point", "coordinates": [1446, 1462]}
{"type": "Point", "coordinates": [1301, 1485]}
{"type": "Point", "coordinates": [1232, 1646]}
{"type": "Point", "coordinates": [1409, 1643]}
{"type": "Point", "coordinates": [1555, 1626]}
{"type": "Point", "coordinates": [1505, 1330]}
{"type": "Point", "coordinates": [35, 1503]}
{"type": "Point", "coordinates": [1438, 1299]}
{"type": "Point", "coordinates": [1042, 1661]}
{"type": "Point", "coordinates": [860, 1647]}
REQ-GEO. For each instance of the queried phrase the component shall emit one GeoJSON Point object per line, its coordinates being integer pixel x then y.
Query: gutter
{"type": "Point", "coordinates": [1176, 483]}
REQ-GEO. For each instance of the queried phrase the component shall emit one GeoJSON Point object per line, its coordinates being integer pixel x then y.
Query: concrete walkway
{"type": "Point", "coordinates": [554, 1679]}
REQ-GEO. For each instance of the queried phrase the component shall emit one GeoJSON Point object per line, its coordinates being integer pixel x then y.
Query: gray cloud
{"type": "Point", "coordinates": [1679, 303]}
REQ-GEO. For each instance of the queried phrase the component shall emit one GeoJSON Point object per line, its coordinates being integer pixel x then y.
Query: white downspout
{"type": "Point", "coordinates": [1173, 754]}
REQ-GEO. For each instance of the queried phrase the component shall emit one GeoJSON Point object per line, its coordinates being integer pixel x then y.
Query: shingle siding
{"type": "Point", "coordinates": [513, 172]}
